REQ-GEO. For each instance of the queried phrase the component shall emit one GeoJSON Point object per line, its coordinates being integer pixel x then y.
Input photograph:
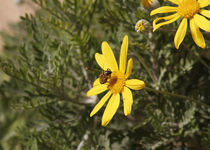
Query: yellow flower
{"type": "Point", "coordinates": [116, 84]}
{"type": "Point", "coordinates": [186, 9]}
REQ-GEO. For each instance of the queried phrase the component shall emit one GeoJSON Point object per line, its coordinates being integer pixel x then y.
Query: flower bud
{"type": "Point", "coordinates": [142, 25]}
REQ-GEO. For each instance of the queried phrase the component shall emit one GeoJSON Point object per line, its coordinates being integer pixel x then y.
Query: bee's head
{"type": "Point", "coordinates": [108, 72]}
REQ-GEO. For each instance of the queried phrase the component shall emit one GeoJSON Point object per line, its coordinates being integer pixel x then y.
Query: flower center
{"type": "Point", "coordinates": [116, 82]}
{"type": "Point", "coordinates": [140, 26]}
{"type": "Point", "coordinates": [188, 8]}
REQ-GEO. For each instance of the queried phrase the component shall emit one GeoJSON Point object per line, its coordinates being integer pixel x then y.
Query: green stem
{"type": "Point", "coordinates": [154, 56]}
{"type": "Point", "coordinates": [202, 61]}
{"type": "Point", "coordinates": [197, 57]}
{"type": "Point", "coordinates": [176, 95]}
{"type": "Point", "coordinates": [145, 66]}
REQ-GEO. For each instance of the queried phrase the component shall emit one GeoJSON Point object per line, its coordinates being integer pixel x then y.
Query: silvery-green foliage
{"type": "Point", "coordinates": [48, 65]}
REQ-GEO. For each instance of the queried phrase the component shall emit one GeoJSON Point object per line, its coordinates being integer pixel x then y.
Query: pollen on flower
{"type": "Point", "coordinates": [117, 82]}
{"type": "Point", "coordinates": [188, 8]}
{"type": "Point", "coordinates": [140, 26]}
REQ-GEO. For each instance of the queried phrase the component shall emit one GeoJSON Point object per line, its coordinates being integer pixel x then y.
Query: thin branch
{"type": "Point", "coordinates": [84, 139]}
{"type": "Point", "coordinates": [84, 70]}
{"type": "Point", "coordinates": [145, 66]}
{"type": "Point", "coordinates": [176, 95]}
{"type": "Point", "coordinates": [60, 96]}
{"type": "Point", "coordinates": [154, 62]}
{"type": "Point", "coordinates": [197, 57]}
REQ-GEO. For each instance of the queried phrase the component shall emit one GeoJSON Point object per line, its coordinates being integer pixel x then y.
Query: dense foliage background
{"type": "Point", "coordinates": [48, 65]}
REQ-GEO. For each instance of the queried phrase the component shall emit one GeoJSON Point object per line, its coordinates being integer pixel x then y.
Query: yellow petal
{"type": "Point", "coordinates": [96, 82]}
{"type": "Point", "coordinates": [164, 9]}
{"type": "Point", "coordinates": [101, 61]}
{"type": "Point", "coordinates": [135, 84]}
{"type": "Point", "coordinates": [123, 54]}
{"type": "Point", "coordinates": [127, 100]}
{"type": "Point", "coordinates": [109, 57]}
{"type": "Point", "coordinates": [206, 13]}
{"type": "Point", "coordinates": [129, 68]}
{"type": "Point", "coordinates": [180, 33]}
{"type": "Point", "coordinates": [196, 34]}
{"type": "Point", "coordinates": [203, 3]}
{"type": "Point", "coordinates": [111, 109]}
{"type": "Point", "coordinates": [175, 1]}
{"type": "Point", "coordinates": [97, 90]}
{"type": "Point", "coordinates": [202, 22]}
{"type": "Point", "coordinates": [170, 19]}
{"type": "Point", "coordinates": [100, 103]}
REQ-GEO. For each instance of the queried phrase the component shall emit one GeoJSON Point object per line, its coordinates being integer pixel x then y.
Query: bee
{"type": "Point", "coordinates": [104, 76]}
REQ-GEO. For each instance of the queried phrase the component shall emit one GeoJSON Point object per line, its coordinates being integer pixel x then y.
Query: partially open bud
{"type": "Point", "coordinates": [142, 25]}
{"type": "Point", "coordinates": [149, 5]}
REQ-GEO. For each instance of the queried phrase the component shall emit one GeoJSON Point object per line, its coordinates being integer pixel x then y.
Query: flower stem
{"type": "Point", "coordinates": [145, 66]}
{"type": "Point", "coordinates": [176, 95]}
{"type": "Point", "coordinates": [154, 60]}
{"type": "Point", "coordinates": [202, 61]}
{"type": "Point", "coordinates": [197, 57]}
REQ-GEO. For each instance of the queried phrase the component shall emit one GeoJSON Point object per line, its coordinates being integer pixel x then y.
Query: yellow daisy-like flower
{"type": "Point", "coordinates": [116, 84]}
{"type": "Point", "coordinates": [186, 9]}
